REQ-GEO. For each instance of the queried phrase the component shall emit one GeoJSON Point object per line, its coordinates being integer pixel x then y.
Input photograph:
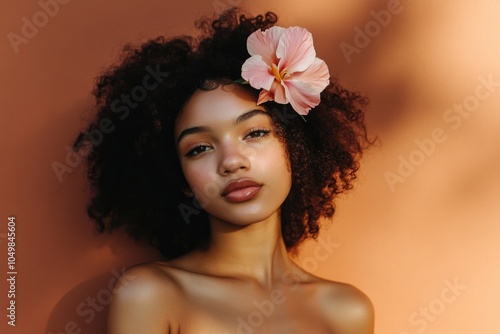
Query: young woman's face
{"type": "Point", "coordinates": [233, 161]}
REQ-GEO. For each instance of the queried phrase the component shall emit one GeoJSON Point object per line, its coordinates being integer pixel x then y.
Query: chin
{"type": "Point", "coordinates": [246, 218]}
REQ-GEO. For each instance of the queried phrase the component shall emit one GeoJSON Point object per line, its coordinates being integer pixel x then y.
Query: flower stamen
{"type": "Point", "coordinates": [276, 72]}
{"type": "Point", "coordinates": [283, 74]}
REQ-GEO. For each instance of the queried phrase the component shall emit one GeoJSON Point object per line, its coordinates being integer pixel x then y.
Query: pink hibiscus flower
{"type": "Point", "coordinates": [283, 64]}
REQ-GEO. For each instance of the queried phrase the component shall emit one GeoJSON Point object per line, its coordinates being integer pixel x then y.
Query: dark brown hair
{"type": "Point", "coordinates": [132, 161]}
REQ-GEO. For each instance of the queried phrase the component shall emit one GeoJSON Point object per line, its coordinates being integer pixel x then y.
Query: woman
{"type": "Point", "coordinates": [224, 151]}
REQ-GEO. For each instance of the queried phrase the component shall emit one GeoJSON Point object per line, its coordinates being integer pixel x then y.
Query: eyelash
{"type": "Point", "coordinates": [193, 152]}
{"type": "Point", "coordinates": [264, 132]}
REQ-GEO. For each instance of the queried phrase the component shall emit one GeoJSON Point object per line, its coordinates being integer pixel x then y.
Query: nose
{"type": "Point", "coordinates": [234, 158]}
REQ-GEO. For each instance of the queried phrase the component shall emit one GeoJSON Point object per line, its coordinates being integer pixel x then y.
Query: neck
{"type": "Point", "coordinates": [256, 251]}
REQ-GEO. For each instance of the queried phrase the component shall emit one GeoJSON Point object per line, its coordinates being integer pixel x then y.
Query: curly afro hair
{"type": "Point", "coordinates": [132, 160]}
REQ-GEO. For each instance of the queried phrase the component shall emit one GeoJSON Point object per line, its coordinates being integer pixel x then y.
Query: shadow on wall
{"type": "Point", "coordinates": [83, 309]}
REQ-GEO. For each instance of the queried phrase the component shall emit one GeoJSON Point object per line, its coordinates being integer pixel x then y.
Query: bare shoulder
{"type": "Point", "coordinates": [145, 300]}
{"type": "Point", "coordinates": [146, 281]}
{"type": "Point", "coordinates": [347, 308]}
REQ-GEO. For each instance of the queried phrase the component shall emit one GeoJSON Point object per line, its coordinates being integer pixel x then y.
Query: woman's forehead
{"type": "Point", "coordinates": [224, 103]}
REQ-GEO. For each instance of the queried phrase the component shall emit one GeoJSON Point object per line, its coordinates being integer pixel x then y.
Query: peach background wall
{"type": "Point", "coordinates": [420, 232]}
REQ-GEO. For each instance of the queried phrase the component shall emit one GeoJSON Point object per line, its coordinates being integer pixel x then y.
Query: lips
{"type": "Point", "coordinates": [241, 190]}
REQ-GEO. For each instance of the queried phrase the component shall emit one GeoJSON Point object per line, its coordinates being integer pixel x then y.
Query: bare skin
{"type": "Point", "coordinates": [244, 281]}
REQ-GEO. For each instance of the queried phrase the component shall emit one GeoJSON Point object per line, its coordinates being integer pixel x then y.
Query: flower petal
{"type": "Point", "coordinates": [265, 43]}
{"type": "Point", "coordinates": [279, 93]}
{"type": "Point", "coordinates": [265, 96]}
{"type": "Point", "coordinates": [276, 93]}
{"type": "Point", "coordinates": [257, 73]}
{"type": "Point", "coordinates": [295, 50]}
{"type": "Point", "coordinates": [300, 96]}
{"type": "Point", "coordinates": [316, 75]}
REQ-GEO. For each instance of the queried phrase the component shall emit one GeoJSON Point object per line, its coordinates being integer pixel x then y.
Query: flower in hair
{"type": "Point", "coordinates": [283, 64]}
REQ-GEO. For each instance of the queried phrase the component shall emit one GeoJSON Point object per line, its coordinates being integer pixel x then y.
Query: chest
{"type": "Point", "coordinates": [234, 308]}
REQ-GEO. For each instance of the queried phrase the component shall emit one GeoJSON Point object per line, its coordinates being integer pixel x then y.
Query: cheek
{"type": "Point", "coordinates": [195, 177]}
{"type": "Point", "coordinates": [278, 164]}
{"type": "Point", "coordinates": [201, 179]}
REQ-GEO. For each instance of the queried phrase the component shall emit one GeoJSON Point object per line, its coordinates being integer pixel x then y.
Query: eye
{"type": "Point", "coordinates": [257, 133]}
{"type": "Point", "coordinates": [197, 150]}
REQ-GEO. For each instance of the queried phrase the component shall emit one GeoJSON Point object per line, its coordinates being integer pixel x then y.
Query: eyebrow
{"type": "Point", "coordinates": [240, 119]}
{"type": "Point", "coordinates": [249, 114]}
